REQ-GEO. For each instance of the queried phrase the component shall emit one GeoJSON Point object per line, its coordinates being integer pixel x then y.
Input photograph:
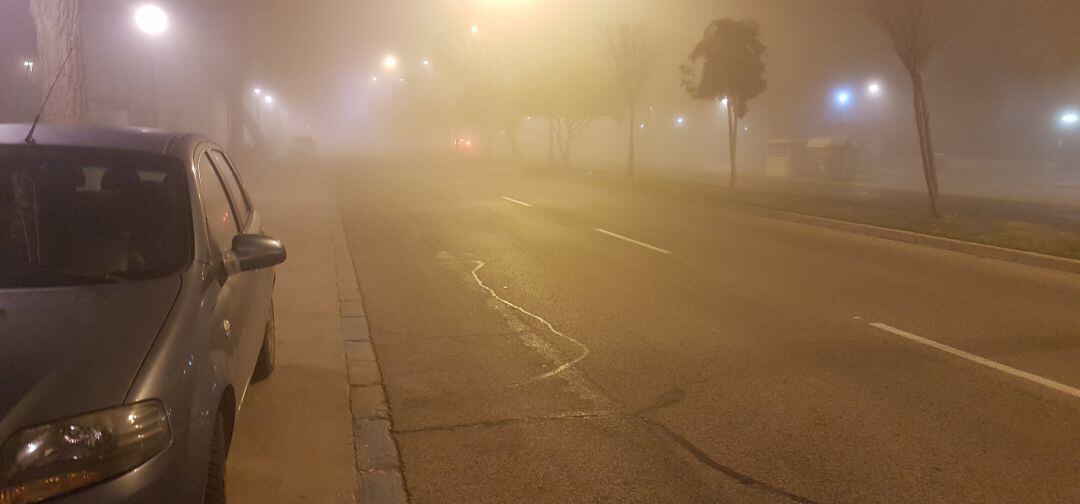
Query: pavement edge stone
{"type": "Point", "coordinates": [378, 463]}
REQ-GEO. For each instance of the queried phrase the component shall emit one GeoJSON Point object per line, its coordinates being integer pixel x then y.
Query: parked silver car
{"type": "Point", "coordinates": [135, 309]}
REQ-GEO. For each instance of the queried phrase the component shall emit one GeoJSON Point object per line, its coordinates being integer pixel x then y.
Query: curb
{"type": "Point", "coordinates": [378, 463]}
{"type": "Point", "coordinates": [1024, 257]}
{"type": "Point", "coordinates": [938, 242]}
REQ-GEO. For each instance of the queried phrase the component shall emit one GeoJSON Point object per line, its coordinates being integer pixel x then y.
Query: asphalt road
{"type": "Point", "coordinates": [553, 342]}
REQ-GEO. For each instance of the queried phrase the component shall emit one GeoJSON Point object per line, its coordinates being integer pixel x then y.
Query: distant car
{"type": "Point", "coordinates": [303, 147]}
{"type": "Point", "coordinates": [135, 309]}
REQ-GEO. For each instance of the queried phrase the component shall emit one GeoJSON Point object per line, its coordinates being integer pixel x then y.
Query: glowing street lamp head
{"type": "Point", "coordinates": [390, 62]}
{"type": "Point", "coordinates": [874, 88]}
{"type": "Point", "coordinates": [843, 98]}
{"type": "Point", "coordinates": [258, 91]}
{"type": "Point", "coordinates": [426, 62]}
{"type": "Point", "coordinates": [474, 29]}
{"type": "Point", "coordinates": [681, 121]}
{"type": "Point", "coordinates": [268, 99]}
{"type": "Point", "coordinates": [1070, 119]}
{"type": "Point", "coordinates": [151, 19]}
{"type": "Point", "coordinates": [28, 65]}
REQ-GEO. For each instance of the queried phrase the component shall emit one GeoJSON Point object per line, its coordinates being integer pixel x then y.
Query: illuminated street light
{"type": "Point", "coordinates": [1070, 119]}
{"type": "Point", "coordinates": [258, 91]}
{"type": "Point", "coordinates": [151, 19]}
{"type": "Point", "coordinates": [425, 63]}
{"type": "Point", "coordinates": [390, 62]}
{"type": "Point", "coordinates": [874, 89]}
{"type": "Point", "coordinates": [269, 99]}
{"type": "Point", "coordinates": [681, 121]}
{"type": "Point", "coordinates": [475, 30]}
{"type": "Point", "coordinates": [374, 79]}
{"type": "Point", "coordinates": [28, 65]}
{"type": "Point", "coordinates": [843, 98]}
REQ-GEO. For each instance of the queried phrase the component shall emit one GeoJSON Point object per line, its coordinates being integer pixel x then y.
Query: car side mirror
{"type": "Point", "coordinates": [253, 252]}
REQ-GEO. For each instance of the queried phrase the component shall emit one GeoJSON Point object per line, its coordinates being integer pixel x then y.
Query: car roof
{"type": "Point", "coordinates": [170, 143]}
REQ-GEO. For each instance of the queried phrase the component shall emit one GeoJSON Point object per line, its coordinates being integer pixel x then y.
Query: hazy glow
{"type": "Point", "coordinates": [425, 63]}
{"type": "Point", "coordinates": [28, 65]}
{"type": "Point", "coordinates": [268, 99]}
{"type": "Point", "coordinates": [258, 91]}
{"type": "Point", "coordinates": [390, 62]}
{"type": "Point", "coordinates": [680, 120]}
{"type": "Point", "coordinates": [1070, 118]}
{"type": "Point", "coordinates": [874, 89]}
{"type": "Point", "coordinates": [843, 98]}
{"type": "Point", "coordinates": [475, 29]}
{"type": "Point", "coordinates": [151, 19]}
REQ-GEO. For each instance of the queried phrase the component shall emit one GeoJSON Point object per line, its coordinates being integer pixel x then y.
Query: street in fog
{"type": "Point", "coordinates": [724, 356]}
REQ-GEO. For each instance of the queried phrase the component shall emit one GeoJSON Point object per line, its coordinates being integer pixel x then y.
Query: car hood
{"type": "Point", "coordinates": [72, 350]}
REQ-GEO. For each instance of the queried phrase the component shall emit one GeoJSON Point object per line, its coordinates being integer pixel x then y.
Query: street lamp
{"type": "Point", "coordinates": [268, 99]}
{"type": "Point", "coordinates": [1070, 119]}
{"type": "Point", "coordinates": [28, 65]}
{"type": "Point", "coordinates": [153, 21]}
{"type": "Point", "coordinates": [390, 62]}
{"type": "Point", "coordinates": [257, 91]}
{"type": "Point", "coordinates": [475, 30]}
{"type": "Point", "coordinates": [873, 89]}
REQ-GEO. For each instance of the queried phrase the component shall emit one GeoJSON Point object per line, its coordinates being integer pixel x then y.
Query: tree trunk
{"type": "Point", "coordinates": [633, 141]}
{"type": "Point", "coordinates": [926, 144]}
{"type": "Point", "coordinates": [58, 35]}
{"type": "Point", "coordinates": [733, 138]}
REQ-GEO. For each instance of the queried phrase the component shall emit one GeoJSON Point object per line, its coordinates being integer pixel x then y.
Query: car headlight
{"type": "Point", "coordinates": [53, 459]}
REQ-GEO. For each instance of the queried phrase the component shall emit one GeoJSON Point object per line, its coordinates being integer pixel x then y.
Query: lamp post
{"type": "Point", "coordinates": [152, 21]}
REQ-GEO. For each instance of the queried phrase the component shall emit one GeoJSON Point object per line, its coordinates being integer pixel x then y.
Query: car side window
{"type": "Point", "coordinates": [220, 217]}
{"type": "Point", "coordinates": [232, 185]}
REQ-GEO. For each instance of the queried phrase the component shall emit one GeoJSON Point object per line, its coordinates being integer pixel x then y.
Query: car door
{"type": "Point", "coordinates": [256, 286]}
{"type": "Point", "coordinates": [233, 302]}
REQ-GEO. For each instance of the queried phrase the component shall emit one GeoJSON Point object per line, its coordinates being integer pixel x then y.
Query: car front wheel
{"type": "Point", "coordinates": [215, 481]}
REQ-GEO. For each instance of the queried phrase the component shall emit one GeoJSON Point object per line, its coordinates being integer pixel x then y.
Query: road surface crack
{"type": "Point", "coordinates": [562, 367]}
{"type": "Point", "coordinates": [509, 421]}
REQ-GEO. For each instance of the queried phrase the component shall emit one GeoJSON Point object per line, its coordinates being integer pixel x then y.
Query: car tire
{"type": "Point", "coordinates": [215, 480]}
{"type": "Point", "coordinates": [268, 354]}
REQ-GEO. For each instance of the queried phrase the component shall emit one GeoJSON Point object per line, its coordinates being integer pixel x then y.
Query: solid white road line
{"type": "Point", "coordinates": [512, 200]}
{"type": "Point", "coordinates": [631, 240]}
{"type": "Point", "coordinates": [1060, 387]}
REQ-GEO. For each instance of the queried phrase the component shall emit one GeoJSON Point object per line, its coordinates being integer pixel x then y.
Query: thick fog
{"type": "Point", "coordinates": [382, 78]}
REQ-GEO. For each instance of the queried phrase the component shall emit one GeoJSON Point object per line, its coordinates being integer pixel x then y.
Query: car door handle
{"type": "Point", "coordinates": [228, 329]}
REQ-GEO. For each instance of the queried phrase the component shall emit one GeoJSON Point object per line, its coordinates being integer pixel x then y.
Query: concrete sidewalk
{"type": "Point", "coordinates": [293, 440]}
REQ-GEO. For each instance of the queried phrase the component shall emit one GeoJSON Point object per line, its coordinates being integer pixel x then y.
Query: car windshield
{"type": "Point", "coordinates": [88, 216]}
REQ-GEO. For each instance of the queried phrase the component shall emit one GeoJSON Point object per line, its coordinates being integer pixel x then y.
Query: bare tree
{"type": "Point", "coordinates": [59, 38]}
{"type": "Point", "coordinates": [631, 53]}
{"type": "Point", "coordinates": [917, 29]}
{"type": "Point", "coordinates": [579, 94]}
